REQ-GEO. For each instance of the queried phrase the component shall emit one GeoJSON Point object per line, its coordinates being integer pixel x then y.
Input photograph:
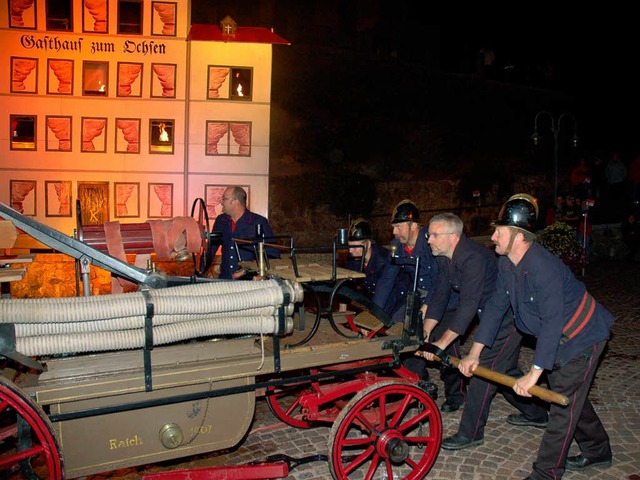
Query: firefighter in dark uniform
{"type": "Point", "coordinates": [376, 265]}
{"type": "Point", "coordinates": [409, 244]}
{"type": "Point", "coordinates": [471, 269]}
{"type": "Point", "coordinates": [571, 329]}
{"type": "Point", "coordinates": [237, 221]}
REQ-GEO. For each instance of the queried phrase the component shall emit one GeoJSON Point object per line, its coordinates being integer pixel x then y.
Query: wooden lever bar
{"type": "Point", "coordinates": [507, 381]}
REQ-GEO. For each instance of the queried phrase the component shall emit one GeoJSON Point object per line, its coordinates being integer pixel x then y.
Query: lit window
{"type": "Point", "coordinates": [229, 83]}
{"type": "Point", "coordinates": [23, 132]}
{"type": "Point", "coordinates": [130, 16]}
{"type": "Point", "coordinates": [241, 84]}
{"type": "Point", "coordinates": [161, 136]}
{"type": "Point", "coordinates": [59, 15]}
{"type": "Point", "coordinates": [95, 78]}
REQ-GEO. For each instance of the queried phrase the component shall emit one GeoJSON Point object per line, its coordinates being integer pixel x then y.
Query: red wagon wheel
{"type": "Point", "coordinates": [28, 445]}
{"type": "Point", "coordinates": [284, 403]}
{"type": "Point", "coordinates": [388, 430]}
{"type": "Point", "coordinates": [202, 259]}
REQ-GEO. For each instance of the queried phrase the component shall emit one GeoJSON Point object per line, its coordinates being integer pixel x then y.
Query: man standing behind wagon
{"type": "Point", "coordinates": [237, 221]}
{"type": "Point", "coordinates": [571, 330]}
{"type": "Point", "coordinates": [376, 265]}
{"type": "Point", "coordinates": [470, 269]}
{"type": "Point", "coordinates": [410, 244]}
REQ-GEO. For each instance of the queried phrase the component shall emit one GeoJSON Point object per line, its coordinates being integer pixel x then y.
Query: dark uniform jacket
{"type": "Point", "coordinates": [380, 267]}
{"type": "Point", "coordinates": [405, 262]}
{"type": "Point", "coordinates": [471, 273]}
{"type": "Point", "coordinates": [245, 228]}
{"type": "Point", "coordinates": [545, 295]}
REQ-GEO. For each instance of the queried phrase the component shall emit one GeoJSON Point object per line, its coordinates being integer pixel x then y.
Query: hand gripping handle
{"type": "Point", "coordinates": [497, 377]}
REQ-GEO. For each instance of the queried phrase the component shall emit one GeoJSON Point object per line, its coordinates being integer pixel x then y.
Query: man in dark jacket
{"type": "Point", "coordinates": [410, 247]}
{"type": "Point", "coordinates": [376, 265]}
{"type": "Point", "coordinates": [410, 244]}
{"type": "Point", "coordinates": [470, 269]}
{"type": "Point", "coordinates": [571, 330]}
{"type": "Point", "coordinates": [237, 221]}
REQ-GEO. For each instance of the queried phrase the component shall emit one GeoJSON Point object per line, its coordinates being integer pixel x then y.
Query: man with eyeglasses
{"type": "Point", "coordinates": [237, 221]}
{"type": "Point", "coordinates": [471, 270]}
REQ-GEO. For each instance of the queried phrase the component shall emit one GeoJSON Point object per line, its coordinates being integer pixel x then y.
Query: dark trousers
{"type": "Point", "coordinates": [503, 358]}
{"type": "Point", "coordinates": [455, 384]}
{"type": "Point", "coordinates": [578, 420]}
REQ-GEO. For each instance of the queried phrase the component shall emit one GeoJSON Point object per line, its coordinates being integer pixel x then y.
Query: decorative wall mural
{"type": "Point", "coordinates": [58, 134]}
{"type": "Point", "coordinates": [163, 80]}
{"type": "Point", "coordinates": [160, 200]}
{"type": "Point", "coordinates": [163, 19]}
{"type": "Point", "coordinates": [129, 79]}
{"type": "Point", "coordinates": [94, 135]}
{"type": "Point", "coordinates": [127, 135]}
{"type": "Point", "coordinates": [23, 196]}
{"type": "Point", "coordinates": [22, 14]}
{"type": "Point", "coordinates": [60, 77]}
{"type": "Point", "coordinates": [213, 198]}
{"type": "Point", "coordinates": [94, 16]}
{"type": "Point", "coordinates": [24, 75]}
{"type": "Point", "coordinates": [241, 133]}
{"type": "Point", "coordinates": [217, 131]}
{"type": "Point", "coordinates": [218, 82]}
{"type": "Point", "coordinates": [94, 202]}
{"type": "Point", "coordinates": [228, 138]}
{"type": "Point", "coordinates": [57, 198]}
{"type": "Point", "coordinates": [126, 199]}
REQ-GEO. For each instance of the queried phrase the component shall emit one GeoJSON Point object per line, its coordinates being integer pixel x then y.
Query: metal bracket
{"type": "Point", "coordinates": [8, 348]}
{"type": "Point", "coordinates": [148, 340]}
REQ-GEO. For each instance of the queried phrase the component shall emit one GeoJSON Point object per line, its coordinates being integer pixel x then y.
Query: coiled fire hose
{"type": "Point", "coordinates": [116, 322]}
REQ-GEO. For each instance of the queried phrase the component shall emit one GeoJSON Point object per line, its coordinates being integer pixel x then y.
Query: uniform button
{"type": "Point", "coordinates": [532, 299]}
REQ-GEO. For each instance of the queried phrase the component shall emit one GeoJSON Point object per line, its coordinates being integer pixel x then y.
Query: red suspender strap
{"type": "Point", "coordinates": [581, 317]}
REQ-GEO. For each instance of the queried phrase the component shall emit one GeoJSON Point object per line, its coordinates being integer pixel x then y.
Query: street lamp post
{"type": "Point", "coordinates": [556, 125]}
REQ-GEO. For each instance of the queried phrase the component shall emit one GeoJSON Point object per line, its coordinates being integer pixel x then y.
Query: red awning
{"type": "Point", "coordinates": [213, 33]}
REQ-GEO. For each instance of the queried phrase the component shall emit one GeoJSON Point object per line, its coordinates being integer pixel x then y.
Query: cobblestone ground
{"type": "Point", "coordinates": [508, 451]}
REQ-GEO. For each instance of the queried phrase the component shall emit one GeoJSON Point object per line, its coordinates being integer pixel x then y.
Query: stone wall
{"type": "Point", "coordinates": [309, 208]}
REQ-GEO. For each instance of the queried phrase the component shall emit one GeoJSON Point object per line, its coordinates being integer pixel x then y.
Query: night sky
{"type": "Point", "coordinates": [595, 65]}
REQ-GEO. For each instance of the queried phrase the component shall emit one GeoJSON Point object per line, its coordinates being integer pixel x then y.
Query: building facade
{"type": "Point", "coordinates": [129, 111]}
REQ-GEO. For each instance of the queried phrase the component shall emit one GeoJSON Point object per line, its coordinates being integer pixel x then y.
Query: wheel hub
{"type": "Point", "coordinates": [392, 446]}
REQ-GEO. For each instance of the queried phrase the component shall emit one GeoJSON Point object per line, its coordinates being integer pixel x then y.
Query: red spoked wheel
{"type": "Point", "coordinates": [202, 259]}
{"type": "Point", "coordinates": [388, 430]}
{"type": "Point", "coordinates": [287, 403]}
{"type": "Point", "coordinates": [28, 445]}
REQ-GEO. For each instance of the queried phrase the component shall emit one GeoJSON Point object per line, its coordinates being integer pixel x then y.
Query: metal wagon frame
{"type": "Point", "coordinates": [66, 416]}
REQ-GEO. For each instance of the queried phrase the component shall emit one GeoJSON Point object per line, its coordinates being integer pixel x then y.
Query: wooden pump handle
{"type": "Point", "coordinates": [507, 381]}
